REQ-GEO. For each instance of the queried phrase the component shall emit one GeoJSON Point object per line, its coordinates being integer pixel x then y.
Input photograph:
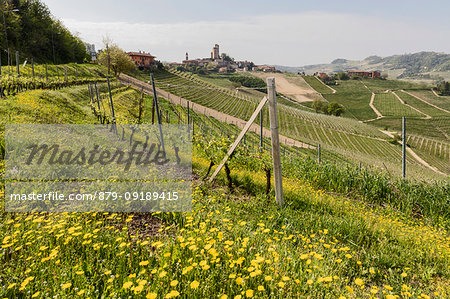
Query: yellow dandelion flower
{"type": "Point", "coordinates": [79, 272]}
{"type": "Point", "coordinates": [81, 292]}
{"type": "Point", "coordinates": [143, 263]}
{"type": "Point", "coordinates": [194, 284]}
{"type": "Point", "coordinates": [359, 281]}
{"type": "Point", "coordinates": [249, 293]}
{"type": "Point", "coordinates": [239, 280]}
{"type": "Point", "coordinates": [388, 287]}
{"type": "Point", "coordinates": [349, 289]}
{"type": "Point", "coordinates": [35, 295]}
{"type": "Point", "coordinates": [12, 285]}
{"type": "Point", "coordinates": [285, 278]}
{"type": "Point", "coordinates": [173, 283]}
{"type": "Point", "coordinates": [162, 274]}
{"type": "Point", "coordinates": [260, 288]}
{"type": "Point", "coordinates": [66, 286]}
{"type": "Point", "coordinates": [309, 281]}
{"type": "Point", "coordinates": [151, 296]}
{"type": "Point", "coordinates": [404, 274]}
{"type": "Point", "coordinates": [127, 285]}
{"type": "Point", "coordinates": [224, 296]}
{"type": "Point", "coordinates": [268, 278]}
{"type": "Point", "coordinates": [281, 284]}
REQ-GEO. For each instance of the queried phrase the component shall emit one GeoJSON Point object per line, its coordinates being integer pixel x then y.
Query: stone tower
{"type": "Point", "coordinates": [215, 52]}
{"type": "Point", "coordinates": [187, 56]}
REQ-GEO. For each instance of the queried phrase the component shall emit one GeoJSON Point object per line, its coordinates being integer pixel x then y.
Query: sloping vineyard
{"type": "Point", "coordinates": [389, 105]}
{"type": "Point", "coordinates": [354, 140]}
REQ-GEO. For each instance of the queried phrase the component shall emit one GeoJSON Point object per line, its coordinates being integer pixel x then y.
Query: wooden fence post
{"type": "Point", "coordinates": [404, 147]}
{"type": "Point", "coordinates": [272, 95]}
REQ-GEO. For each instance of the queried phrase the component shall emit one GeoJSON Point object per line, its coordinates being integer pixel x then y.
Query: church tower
{"type": "Point", "coordinates": [187, 56]}
{"type": "Point", "coordinates": [215, 52]}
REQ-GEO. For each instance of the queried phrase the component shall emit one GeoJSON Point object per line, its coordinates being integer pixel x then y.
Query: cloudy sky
{"type": "Point", "coordinates": [283, 32]}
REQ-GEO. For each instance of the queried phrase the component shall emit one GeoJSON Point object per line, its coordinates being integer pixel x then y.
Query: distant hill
{"type": "Point", "coordinates": [422, 65]}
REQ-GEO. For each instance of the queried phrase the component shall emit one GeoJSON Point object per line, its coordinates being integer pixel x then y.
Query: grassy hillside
{"type": "Point", "coordinates": [235, 242]}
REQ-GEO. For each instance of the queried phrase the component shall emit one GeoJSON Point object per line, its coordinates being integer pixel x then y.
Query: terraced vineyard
{"type": "Point", "coordinates": [424, 107]}
{"type": "Point", "coordinates": [427, 95]}
{"type": "Point", "coordinates": [389, 105]}
{"type": "Point", "coordinates": [435, 152]}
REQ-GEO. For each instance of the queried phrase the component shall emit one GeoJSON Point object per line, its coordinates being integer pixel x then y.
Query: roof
{"type": "Point", "coordinates": [140, 54]}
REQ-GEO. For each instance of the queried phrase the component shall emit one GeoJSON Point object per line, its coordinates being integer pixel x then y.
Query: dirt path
{"type": "Point", "coordinates": [332, 89]}
{"type": "Point", "coordinates": [378, 113]}
{"type": "Point", "coordinates": [415, 109]}
{"type": "Point", "coordinates": [125, 79]}
{"type": "Point", "coordinates": [420, 99]}
{"type": "Point", "coordinates": [435, 93]}
{"type": "Point", "coordinates": [292, 90]}
{"type": "Point", "coordinates": [415, 156]}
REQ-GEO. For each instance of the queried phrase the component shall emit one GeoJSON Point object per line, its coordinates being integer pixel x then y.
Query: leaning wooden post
{"type": "Point", "coordinates": [272, 95]}
{"type": "Point", "coordinates": [404, 146]}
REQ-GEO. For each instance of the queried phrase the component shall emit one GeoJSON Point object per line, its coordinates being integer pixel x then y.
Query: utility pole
{"type": "Point", "coordinates": [272, 95]}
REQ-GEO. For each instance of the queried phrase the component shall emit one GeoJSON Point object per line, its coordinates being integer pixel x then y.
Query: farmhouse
{"type": "Point", "coordinates": [373, 74]}
{"type": "Point", "coordinates": [142, 60]}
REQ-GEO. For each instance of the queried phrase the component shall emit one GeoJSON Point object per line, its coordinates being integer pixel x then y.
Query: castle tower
{"type": "Point", "coordinates": [215, 52]}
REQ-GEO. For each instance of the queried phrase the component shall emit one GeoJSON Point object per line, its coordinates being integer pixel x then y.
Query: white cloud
{"type": "Point", "coordinates": [294, 39]}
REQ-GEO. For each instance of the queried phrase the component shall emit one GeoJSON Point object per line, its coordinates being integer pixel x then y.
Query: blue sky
{"type": "Point", "coordinates": [283, 32]}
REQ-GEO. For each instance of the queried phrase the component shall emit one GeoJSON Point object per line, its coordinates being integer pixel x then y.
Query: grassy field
{"type": "Point", "coordinates": [315, 83]}
{"type": "Point", "coordinates": [235, 242]}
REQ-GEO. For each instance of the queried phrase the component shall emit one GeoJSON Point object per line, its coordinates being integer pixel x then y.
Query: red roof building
{"type": "Point", "coordinates": [373, 74]}
{"type": "Point", "coordinates": [142, 60]}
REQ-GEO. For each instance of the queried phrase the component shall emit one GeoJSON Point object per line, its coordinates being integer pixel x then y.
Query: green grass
{"type": "Point", "coordinates": [315, 83]}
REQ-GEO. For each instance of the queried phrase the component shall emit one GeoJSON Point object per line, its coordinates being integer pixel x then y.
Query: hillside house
{"type": "Point", "coordinates": [363, 74]}
{"type": "Point", "coordinates": [142, 60]}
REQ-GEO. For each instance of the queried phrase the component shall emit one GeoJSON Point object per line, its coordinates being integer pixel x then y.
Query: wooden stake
{"type": "Point", "coordinates": [272, 94]}
{"type": "Point", "coordinates": [155, 102]}
{"type": "Point", "coordinates": [404, 147]}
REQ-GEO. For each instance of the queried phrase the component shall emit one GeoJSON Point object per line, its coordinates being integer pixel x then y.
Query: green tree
{"type": "Point", "coordinates": [317, 105]}
{"type": "Point", "coordinates": [115, 59]}
{"type": "Point", "coordinates": [335, 109]}
{"type": "Point", "coordinates": [226, 57]}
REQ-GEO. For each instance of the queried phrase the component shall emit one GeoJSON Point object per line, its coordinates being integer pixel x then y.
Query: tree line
{"type": "Point", "coordinates": [28, 26]}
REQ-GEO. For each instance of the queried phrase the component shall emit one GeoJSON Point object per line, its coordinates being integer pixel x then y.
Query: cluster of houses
{"type": "Point", "coordinates": [221, 63]}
